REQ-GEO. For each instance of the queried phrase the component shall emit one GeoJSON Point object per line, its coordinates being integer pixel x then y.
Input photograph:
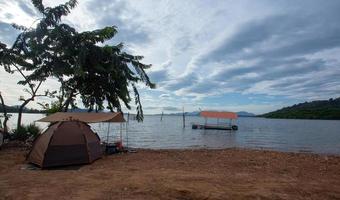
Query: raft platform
{"type": "Point", "coordinates": [214, 127]}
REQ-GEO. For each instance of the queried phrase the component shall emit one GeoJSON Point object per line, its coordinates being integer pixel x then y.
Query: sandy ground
{"type": "Point", "coordinates": [177, 174]}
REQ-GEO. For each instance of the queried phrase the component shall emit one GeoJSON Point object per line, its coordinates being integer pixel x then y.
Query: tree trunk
{"type": "Point", "coordinates": [5, 115]}
{"type": "Point", "coordinates": [68, 101]}
{"type": "Point", "coordinates": [21, 110]}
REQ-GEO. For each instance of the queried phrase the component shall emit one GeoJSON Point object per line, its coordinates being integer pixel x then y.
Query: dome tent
{"type": "Point", "coordinates": [65, 143]}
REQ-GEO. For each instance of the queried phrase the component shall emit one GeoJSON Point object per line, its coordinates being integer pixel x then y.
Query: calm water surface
{"type": "Point", "coordinates": [317, 136]}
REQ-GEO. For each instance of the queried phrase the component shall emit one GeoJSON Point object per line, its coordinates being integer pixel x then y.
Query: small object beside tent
{"type": "Point", "coordinates": [65, 143]}
{"type": "Point", "coordinates": [1, 137]}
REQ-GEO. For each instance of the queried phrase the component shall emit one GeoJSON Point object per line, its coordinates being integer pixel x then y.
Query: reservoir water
{"type": "Point", "coordinates": [316, 136]}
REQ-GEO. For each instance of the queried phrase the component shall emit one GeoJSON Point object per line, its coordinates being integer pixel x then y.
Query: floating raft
{"type": "Point", "coordinates": [214, 127]}
{"type": "Point", "coordinates": [217, 115]}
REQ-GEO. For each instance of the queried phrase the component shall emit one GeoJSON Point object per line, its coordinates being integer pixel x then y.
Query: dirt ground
{"type": "Point", "coordinates": [177, 174]}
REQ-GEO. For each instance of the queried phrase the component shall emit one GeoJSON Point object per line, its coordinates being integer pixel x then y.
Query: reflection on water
{"type": "Point", "coordinates": [319, 136]}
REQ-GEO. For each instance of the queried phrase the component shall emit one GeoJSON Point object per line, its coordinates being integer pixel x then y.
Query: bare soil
{"type": "Point", "coordinates": [176, 174]}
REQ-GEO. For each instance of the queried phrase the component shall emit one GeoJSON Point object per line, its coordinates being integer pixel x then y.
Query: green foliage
{"type": "Point", "coordinates": [33, 130]}
{"type": "Point", "coordinates": [51, 108]}
{"type": "Point", "coordinates": [24, 132]}
{"type": "Point", "coordinates": [327, 109]}
{"type": "Point", "coordinates": [20, 134]}
{"type": "Point", "coordinates": [102, 76]}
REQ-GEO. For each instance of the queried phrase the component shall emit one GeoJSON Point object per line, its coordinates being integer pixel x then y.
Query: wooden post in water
{"type": "Point", "coordinates": [183, 118]}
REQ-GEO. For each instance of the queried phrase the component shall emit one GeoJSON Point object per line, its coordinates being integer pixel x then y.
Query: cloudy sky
{"type": "Point", "coordinates": [255, 56]}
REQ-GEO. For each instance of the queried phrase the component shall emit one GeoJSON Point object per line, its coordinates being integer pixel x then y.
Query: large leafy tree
{"type": "Point", "coordinates": [101, 75]}
{"type": "Point", "coordinates": [16, 62]}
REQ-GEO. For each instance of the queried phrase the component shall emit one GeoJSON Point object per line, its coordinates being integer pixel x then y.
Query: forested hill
{"type": "Point", "coordinates": [15, 109]}
{"type": "Point", "coordinates": [325, 109]}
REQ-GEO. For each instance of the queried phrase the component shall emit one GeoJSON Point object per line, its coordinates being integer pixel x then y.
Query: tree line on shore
{"type": "Point", "coordinates": [322, 109]}
{"type": "Point", "coordinates": [15, 109]}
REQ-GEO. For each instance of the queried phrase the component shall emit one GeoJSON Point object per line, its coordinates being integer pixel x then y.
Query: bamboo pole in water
{"type": "Point", "coordinates": [183, 118]}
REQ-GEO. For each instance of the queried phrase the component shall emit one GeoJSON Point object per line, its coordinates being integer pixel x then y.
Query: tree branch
{"type": "Point", "coordinates": [24, 76]}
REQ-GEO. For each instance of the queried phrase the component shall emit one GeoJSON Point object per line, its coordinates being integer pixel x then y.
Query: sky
{"type": "Point", "coordinates": [255, 56]}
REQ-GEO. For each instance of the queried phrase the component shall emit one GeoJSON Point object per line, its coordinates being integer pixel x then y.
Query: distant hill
{"type": "Point", "coordinates": [324, 109]}
{"type": "Point", "coordinates": [15, 109]}
{"type": "Point", "coordinates": [245, 114]}
{"type": "Point", "coordinates": [197, 113]}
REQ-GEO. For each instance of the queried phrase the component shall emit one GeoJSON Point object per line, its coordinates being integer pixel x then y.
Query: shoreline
{"type": "Point", "coordinates": [240, 148]}
{"type": "Point", "coordinates": [177, 174]}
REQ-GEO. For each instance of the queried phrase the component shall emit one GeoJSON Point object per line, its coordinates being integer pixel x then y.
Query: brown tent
{"type": "Point", "coordinates": [65, 143]}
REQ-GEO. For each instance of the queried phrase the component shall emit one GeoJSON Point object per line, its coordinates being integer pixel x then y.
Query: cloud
{"type": "Point", "coordinates": [281, 51]}
{"type": "Point", "coordinates": [117, 13]}
{"type": "Point", "coordinates": [275, 52]}
{"type": "Point", "coordinates": [7, 33]}
{"type": "Point", "coordinates": [164, 96]}
{"type": "Point", "coordinates": [27, 8]}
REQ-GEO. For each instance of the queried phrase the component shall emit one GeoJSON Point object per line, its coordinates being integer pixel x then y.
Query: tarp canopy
{"type": "Point", "coordinates": [216, 114]}
{"type": "Point", "coordinates": [84, 117]}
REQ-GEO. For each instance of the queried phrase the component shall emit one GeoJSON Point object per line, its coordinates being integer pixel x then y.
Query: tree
{"type": "Point", "coordinates": [16, 62]}
{"type": "Point", "coordinates": [6, 115]}
{"type": "Point", "coordinates": [102, 76]}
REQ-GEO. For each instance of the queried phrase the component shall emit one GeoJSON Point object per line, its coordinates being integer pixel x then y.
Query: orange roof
{"type": "Point", "coordinates": [215, 114]}
{"type": "Point", "coordinates": [84, 117]}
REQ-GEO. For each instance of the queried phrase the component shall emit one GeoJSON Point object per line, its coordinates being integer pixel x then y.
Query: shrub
{"type": "Point", "coordinates": [19, 134]}
{"type": "Point", "coordinates": [33, 130]}
{"type": "Point", "coordinates": [25, 131]}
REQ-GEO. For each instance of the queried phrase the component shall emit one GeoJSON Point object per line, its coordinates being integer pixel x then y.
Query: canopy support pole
{"type": "Point", "coordinates": [127, 136]}
{"type": "Point", "coordinates": [121, 133]}
{"type": "Point", "coordinates": [108, 132]}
